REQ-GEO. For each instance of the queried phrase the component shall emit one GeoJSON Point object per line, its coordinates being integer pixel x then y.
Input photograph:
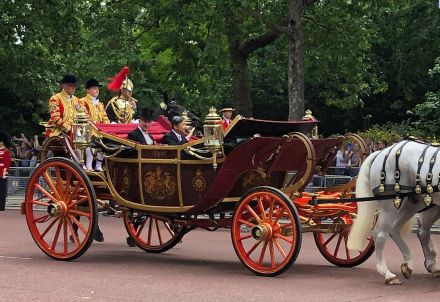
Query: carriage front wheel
{"type": "Point", "coordinates": [333, 245]}
{"type": "Point", "coordinates": [266, 231]}
{"type": "Point", "coordinates": [60, 209]}
{"type": "Point", "coordinates": [153, 234]}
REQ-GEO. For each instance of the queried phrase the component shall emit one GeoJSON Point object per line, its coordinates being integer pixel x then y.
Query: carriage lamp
{"type": "Point", "coordinates": [213, 132]}
{"type": "Point", "coordinates": [81, 133]}
{"type": "Point", "coordinates": [309, 117]}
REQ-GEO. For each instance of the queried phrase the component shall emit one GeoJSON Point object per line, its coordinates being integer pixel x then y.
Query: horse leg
{"type": "Point", "coordinates": [404, 214]}
{"type": "Point", "coordinates": [380, 236]}
{"type": "Point", "coordinates": [426, 219]}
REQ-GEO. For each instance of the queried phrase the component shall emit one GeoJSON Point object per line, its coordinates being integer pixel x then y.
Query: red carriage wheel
{"type": "Point", "coordinates": [60, 208]}
{"type": "Point", "coordinates": [151, 233]}
{"type": "Point", "coordinates": [333, 245]}
{"type": "Point", "coordinates": [266, 231]}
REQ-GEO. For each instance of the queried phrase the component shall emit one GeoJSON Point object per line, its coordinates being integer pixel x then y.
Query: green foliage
{"type": "Point", "coordinates": [362, 58]}
{"type": "Point", "coordinates": [390, 133]}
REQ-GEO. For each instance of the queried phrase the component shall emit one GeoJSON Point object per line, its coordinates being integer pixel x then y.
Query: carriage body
{"type": "Point", "coordinates": [254, 186]}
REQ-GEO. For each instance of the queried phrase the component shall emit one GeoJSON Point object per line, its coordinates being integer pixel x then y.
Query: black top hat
{"type": "Point", "coordinates": [69, 79]}
{"type": "Point", "coordinates": [227, 106]}
{"type": "Point", "coordinates": [5, 138]}
{"type": "Point", "coordinates": [148, 114]}
{"type": "Point", "coordinates": [176, 120]}
{"type": "Point", "coordinates": [92, 83]}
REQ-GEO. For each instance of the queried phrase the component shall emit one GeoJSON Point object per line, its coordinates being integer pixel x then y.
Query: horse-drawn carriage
{"type": "Point", "coordinates": [250, 179]}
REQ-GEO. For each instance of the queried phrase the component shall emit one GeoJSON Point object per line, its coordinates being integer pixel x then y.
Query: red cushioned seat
{"type": "Point", "coordinates": [157, 130]}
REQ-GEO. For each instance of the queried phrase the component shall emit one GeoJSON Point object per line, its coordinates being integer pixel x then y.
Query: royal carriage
{"type": "Point", "coordinates": [250, 179]}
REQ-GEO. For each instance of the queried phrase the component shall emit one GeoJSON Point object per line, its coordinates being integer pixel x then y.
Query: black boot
{"type": "Point", "coordinates": [98, 235]}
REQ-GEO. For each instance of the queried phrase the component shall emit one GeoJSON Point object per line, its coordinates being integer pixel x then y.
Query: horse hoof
{"type": "Point", "coordinates": [406, 271]}
{"type": "Point", "coordinates": [393, 281]}
{"type": "Point", "coordinates": [436, 274]}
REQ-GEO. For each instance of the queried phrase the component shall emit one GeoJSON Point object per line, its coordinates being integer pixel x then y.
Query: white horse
{"type": "Point", "coordinates": [392, 220]}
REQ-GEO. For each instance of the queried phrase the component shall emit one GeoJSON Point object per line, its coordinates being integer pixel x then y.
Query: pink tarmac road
{"type": "Point", "coordinates": [203, 267]}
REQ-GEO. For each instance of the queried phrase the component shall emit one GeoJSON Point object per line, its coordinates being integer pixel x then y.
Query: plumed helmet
{"type": "Point", "coordinates": [127, 84]}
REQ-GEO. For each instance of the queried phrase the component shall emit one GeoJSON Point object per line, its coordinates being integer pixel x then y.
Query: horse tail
{"type": "Point", "coordinates": [366, 209]}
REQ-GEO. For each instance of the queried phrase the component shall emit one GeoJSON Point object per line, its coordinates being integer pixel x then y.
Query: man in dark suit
{"type": "Point", "coordinates": [178, 135]}
{"type": "Point", "coordinates": [140, 134]}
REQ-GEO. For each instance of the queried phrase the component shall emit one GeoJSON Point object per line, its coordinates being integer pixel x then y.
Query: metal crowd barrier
{"type": "Point", "coordinates": [18, 179]}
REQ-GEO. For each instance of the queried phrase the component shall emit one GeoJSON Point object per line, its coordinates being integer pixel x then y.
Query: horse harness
{"type": "Point", "coordinates": [401, 191]}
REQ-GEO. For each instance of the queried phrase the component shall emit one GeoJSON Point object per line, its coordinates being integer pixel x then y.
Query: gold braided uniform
{"type": "Point", "coordinates": [62, 111]}
{"type": "Point", "coordinates": [97, 112]}
{"type": "Point", "coordinates": [120, 110]}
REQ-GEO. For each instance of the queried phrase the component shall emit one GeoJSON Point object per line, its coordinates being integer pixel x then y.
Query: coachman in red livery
{"type": "Point", "coordinates": [5, 163]}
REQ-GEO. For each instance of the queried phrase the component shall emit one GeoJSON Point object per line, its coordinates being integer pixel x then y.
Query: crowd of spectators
{"type": "Point", "coordinates": [24, 151]}
{"type": "Point", "coordinates": [349, 157]}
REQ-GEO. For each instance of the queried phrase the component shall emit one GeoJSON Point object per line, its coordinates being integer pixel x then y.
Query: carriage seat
{"type": "Point", "coordinates": [158, 129]}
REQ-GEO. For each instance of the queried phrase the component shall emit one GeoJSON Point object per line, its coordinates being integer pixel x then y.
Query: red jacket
{"type": "Point", "coordinates": [5, 160]}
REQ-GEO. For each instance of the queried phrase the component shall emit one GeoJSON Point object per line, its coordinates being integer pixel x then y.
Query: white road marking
{"type": "Point", "coordinates": [12, 257]}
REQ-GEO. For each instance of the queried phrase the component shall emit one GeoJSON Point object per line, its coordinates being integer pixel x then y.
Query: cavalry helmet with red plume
{"type": "Point", "coordinates": [121, 81]}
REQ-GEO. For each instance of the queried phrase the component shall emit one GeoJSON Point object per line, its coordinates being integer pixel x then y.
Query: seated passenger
{"type": "Point", "coordinates": [140, 134]}
{"type": "Point", "coordinates": [178, 135]}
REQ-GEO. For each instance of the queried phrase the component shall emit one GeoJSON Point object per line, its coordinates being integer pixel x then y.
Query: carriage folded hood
{"type": "Point", "coordinates": [246, 127]}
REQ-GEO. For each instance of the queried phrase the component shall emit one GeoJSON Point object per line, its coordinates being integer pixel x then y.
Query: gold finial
{"type": "Point", "coordinates": [308, 116]}
{"type": "Point", "coordinates": [435, 142]}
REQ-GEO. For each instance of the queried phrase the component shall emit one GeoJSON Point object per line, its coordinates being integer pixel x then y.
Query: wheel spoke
{"type": "Point", "coordinates": [279, 214]}
{"type": "Point", "coordinates": [272, 256]}
{"type": "Point", "coordinates": [253, 248]}
{"type": "Point", "coordinates": [330, 239]}
{"type": "Point", "coordinates": [72, 230]}
{"type": "Point", "coordinates": [40, 203]}
{"type": "Point", "coordinates": [253, 213]}
{"type": "Point", "coordinates": [270, 210]}
{"type": "Point", "coordinates": [278, 235]}
{"type": "Point", "coordinates": [150, 227]}
{"type": "Point", "coordinates": [167, 226]}
{"type": "Point", "coordinates": [57, 234]}
{"type": "Point", "coordinates": [59, 182]}
{"type": "Point", "coordinates": [280, 248]}
{"type": "Point", "coordinates": [347, 252]}
{"type": "Point", "coordinates": [283, 226]}
{"type": "Point", "coordinates": [50, 196]}
{"type": "Point", "coordinates": [78, 201]}
{"type": "Point", "coordinates": [49, 227]}
{"type": "Point", "coordinates": [78, 224]}
{"type": "Point", "coordinates": [80, 213]}
{"type": "Point", "coordinates": [260, 204]}
{"type": "Point", "coordinates": [49, 181]}
{"type": "Point", "coordinates": [262, 253]}
{"type": "Point", "coordinates": [68, 179]}
{"type": "Point", "coordinates": [244, 237]}
{"type": "Point", "coordinates": [337, 246]}
{"type": "Point", "coordinates": [140, 228]}
{"type": "Point", "coordinates": [74, 193]}
{"type": "Point", "coordinates": [41, 219]}
{"type": "Point", "coordinates": [248, 223]}
{"type": "Point", "coordinates": [65, 236]}
{"type": "Point", "coordinates": [158, 231]}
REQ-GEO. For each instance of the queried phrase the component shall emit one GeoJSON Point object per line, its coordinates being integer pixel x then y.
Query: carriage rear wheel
{"type": "Point", "coordinates": [333, 245]}
{"type": "Point", "coordinates": [60, 209]}
{"type": "Point", "coordinates": [266, 231]}
{"type": "Point", "coordinates": [151, 233]}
